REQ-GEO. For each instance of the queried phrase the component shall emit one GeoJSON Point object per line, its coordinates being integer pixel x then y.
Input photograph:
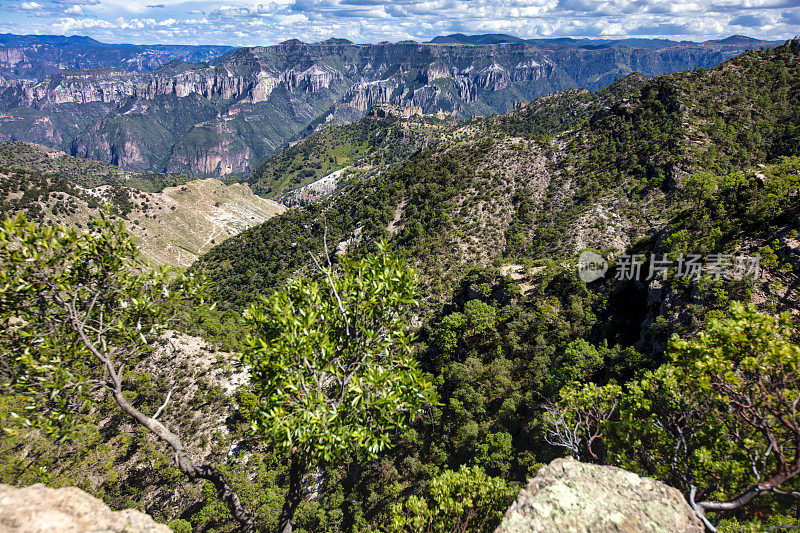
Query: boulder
{"type": "Point", "coordinates": [568, 495]}
{"type": "Point", "coordinates": [40, 509]}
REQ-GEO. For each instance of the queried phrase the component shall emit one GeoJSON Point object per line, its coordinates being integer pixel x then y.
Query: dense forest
{"type": "Point", "coordinates": [424, 332]}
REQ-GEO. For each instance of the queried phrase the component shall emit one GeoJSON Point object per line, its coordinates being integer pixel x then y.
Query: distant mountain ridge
{"type": "Point", "coordinates": [224, 118]}
{"type": "Point", "coordinates": [36, 56]}
{"type": "Point", "coordinates": [632, 42]}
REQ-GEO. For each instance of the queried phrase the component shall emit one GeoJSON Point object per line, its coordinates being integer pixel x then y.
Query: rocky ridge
{"type": "Point", "coordinates": [30, 57]}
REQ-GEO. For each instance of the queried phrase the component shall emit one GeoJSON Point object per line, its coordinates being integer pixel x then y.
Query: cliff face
{"type": "Point", "coordinates": [222, 119]}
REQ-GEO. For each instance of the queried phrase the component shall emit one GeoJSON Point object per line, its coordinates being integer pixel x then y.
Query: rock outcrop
{"type": "Point", "coordinates": [40, 509]}
{"type": "Point", "coordinates": [571, 496]}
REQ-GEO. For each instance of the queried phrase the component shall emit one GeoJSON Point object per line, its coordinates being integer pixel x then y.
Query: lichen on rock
{"type": "Point", "coordinates": [571, 496]}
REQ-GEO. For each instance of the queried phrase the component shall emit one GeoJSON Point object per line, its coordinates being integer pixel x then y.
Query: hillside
{"type": "Point", "coordinates": [223, 119]}
{"type": "Point", "coordinates": [175, 218]}
{"type": "Point", "coordinates": [493, 216]}
{"type": "Point", "coordinates": [514, 187]}
{"type": "Point", "coordinates": [80, 170]}
{"type": "Point", "coordinates": [384, 139]}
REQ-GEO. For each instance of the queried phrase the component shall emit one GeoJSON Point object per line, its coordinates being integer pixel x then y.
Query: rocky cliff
{"type": "Point", "coordinates": [222, 119]}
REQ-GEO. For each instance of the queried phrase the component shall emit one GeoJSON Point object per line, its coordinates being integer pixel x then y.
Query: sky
{"type": "Point", "coordinates": [249, 23]}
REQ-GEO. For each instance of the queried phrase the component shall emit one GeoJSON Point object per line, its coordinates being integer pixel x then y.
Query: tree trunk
{"type": "Point", "coordinates": [208, 472]}
{"type": "Point", "coordinates": [295, 495]}
{"type": "Point", "coordinates": [770, 485]}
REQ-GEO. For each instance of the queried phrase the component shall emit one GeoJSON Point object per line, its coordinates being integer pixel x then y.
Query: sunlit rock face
{"type": "Point", "coordinates": [568, 495]}
{"type": "Point", "coordinates": [40, 509]}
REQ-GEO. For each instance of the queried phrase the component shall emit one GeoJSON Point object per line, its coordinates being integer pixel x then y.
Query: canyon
{"type": "Point", "coordinates": [223, 115]}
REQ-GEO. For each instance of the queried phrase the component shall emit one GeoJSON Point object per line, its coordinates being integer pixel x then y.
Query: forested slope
{"type": "Point", "coordinates": [486, 194]}
{"type": "Point", "coordinates": [703, 162]}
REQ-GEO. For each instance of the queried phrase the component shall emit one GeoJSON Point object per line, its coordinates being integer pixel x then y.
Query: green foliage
{"type": "Point", "coordinates": [370, 141]}
{"type": "Point", "coordinates": [667, 421]}
{"type": "Point", "coordinates": [462, 500]}
{"type": "Point", "coordinates": [258, 261]}
{"type": "Point", "coordinates": [719, 421]}
{"type": "Point", "coordinates": [756, 122]}
{"type": "Point", "coordinates": [577, 421]}
{"type": "Point", "coordinates": [331, 363]}
{"type": "Point", "coordinates": [180, 526]}
{"type": "Point", "coordinates": [565, 110]}
{"type": "Point", "coordinates": [512, 360]}
{"type": "Point", "coordinates": [61, 292]}
{"type": "Point", "coordinates": [38, 160]}
{"type": "Point", "coordinates": [579, 362]}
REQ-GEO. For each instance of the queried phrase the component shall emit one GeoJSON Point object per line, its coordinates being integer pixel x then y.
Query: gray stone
{"type": "Point", "coordinates": [40, 509]}
{"type": "Point", "coordinates": [570, 496]}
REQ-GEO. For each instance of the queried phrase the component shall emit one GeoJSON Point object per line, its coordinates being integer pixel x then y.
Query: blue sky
{"type": "Point", "coordinates": [244, 23]}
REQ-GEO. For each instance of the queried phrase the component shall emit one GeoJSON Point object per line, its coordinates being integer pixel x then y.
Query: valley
{"type": "Point", "coordinates": [378, 321]}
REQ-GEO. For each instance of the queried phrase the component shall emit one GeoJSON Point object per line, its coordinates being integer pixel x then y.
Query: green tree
{"type": "Point", "coordinates": [720, 421]}
{"type": "Point", "coordinates": [332, 367]}
{"type": "Point", "coordinates": [457, 501]}
{"type": "Point", "coordinates": [750, 369]}
{"type": "Point", "coordinates": [578, 362]}
{"type": "Point", "coordinates": [76, 310]}
{"type": "Point", "coordinates": [665, 418]}
{"type": "Point", "coordinates": [481, 320]}
{"type": "Point", "coordinates": [577, 420]}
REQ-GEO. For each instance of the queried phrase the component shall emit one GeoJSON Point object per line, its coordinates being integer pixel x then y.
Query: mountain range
{"type": "Point", "coordinates": [569, 171]}
{"type": "Point", "coordinates": [212, 111]}
{"type": "Point", "coordinates": [36, 56]}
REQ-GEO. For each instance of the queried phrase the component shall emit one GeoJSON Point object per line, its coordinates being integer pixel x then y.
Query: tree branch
{"type": "Point", "coordinates": [163, 405]}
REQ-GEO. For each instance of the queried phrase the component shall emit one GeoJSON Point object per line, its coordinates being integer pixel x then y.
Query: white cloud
{"type": "Point", "coordinates": [69, 25]}
{"type": "Point", "coordinates": [252, 22]}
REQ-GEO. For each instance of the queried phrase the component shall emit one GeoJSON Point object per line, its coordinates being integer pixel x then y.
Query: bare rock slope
{"type": "Point", "coordinates": [568, 495]}
{"type": "Point", "coordinates": [42, 509]}
{"type": "Point", "coordinates": [173, 226]}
